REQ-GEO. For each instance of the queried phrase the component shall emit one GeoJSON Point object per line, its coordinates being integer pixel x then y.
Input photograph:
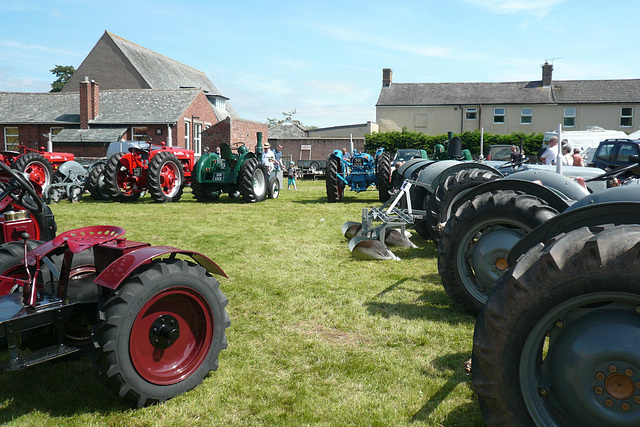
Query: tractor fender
{"type": "Point", "coordinates": [430, 174]}
{"type": "Point", "coordinates": [589, 214]}
{"type": "Point", "coordinates": [206, 160]}
{"type": "Point", "coordinates": [72, 166]}
{"type": "Point", "coordinates": [413, 166]}
{"type": "Point", "coordinates": [562, 184]}
{"type": "Point", "coordinates": [552, 197]}
{"type": "Point", "coordinates": [457, 167]}
{"type": "Point", "coordinates": [112, 276]}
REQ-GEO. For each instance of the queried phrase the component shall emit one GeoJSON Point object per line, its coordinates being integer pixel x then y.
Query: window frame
{"type": "Point", "coordinates": [13, 146]}
{"type": "Point", "coordinates": [626, 116]}
{"type": "Point", "coordinates": [523, 115]}
{"type": "Point", "coordinates": [139, 132]}
{"type": "Point", "coordinates": [469, 111]}
{"type": "Point", "coordinates": [496, 115]}
{"type": "Point", "coordinates": [567, 118]}
{"type": "Point", "coordinates": [187, 134]}
{"type": "Point", "coordinates": [197, 138]}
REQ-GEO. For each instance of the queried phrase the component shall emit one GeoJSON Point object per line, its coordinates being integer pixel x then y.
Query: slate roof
{"type": "Point", "coordinates": [161, 72]}
{"type": "Point", "coordinates": [89, 135]}
{"type": "Point", "coordinates": [117, 107]}
{"type": "Point", "coordinates": [28, 107]}
{"type": "Point", "coordinates": [287, 129]}
{"type": "Point", "coordinates": [532, 92]}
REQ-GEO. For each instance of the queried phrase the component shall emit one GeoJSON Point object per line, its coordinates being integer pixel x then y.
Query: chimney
{"type": "Point", "coordinates": [547, 70]}
{"type": "Point", "coordinates": [387, 77]}
{"type": "Point", "coordinates": [89, 101]}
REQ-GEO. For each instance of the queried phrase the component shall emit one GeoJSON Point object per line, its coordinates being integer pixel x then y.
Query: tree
{"type": "Point", "coordinates": [63, 73]}
{"type": "Point", "coordinates": [287, 116]}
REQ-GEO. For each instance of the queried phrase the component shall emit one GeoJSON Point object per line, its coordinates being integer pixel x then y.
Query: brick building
{"type": "Point", "coordinates": [122, 91]}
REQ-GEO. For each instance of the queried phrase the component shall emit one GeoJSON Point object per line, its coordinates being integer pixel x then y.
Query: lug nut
{"type": "Point", "coordinates": [609, 403]}
{"type": "Point", "coordinates": [598, 390]}
{"type": "Point", "coordinates": [600, 377]}
{"type": "Point", "coordinates": [625, 406]}
{"type": "Point", "coordinates": [559, 324]}
{"type": "Point", "coordinates": [628, 372]}
{"type": "Point", "coordinates": [544, 392]}
{"type": "Point", "coordinates": [612, 368]}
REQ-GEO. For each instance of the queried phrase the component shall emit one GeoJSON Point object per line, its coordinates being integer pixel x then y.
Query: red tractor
{"type": "Point", "coordinates": [39, 164]}
{"type": "Point", "coordinates": [152, 317]}
{"type": "Point", "coordinates": [163, 171]}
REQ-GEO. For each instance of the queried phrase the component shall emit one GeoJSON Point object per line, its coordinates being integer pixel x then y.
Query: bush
{"type": "Point", "coordinates": [392, 141]}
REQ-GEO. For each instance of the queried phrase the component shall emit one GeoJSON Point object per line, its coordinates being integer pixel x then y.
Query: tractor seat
{"type": "Point", "coordinates": [225, 151]}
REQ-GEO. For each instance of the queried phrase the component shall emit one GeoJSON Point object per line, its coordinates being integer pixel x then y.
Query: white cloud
{"type": "Point", "coordinates": [539, 8]}
{"type": "Point", "coordinates": [21, 46]}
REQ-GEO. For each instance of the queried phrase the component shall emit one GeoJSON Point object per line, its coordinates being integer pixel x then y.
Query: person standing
{"type": "Point", "coordinates": [291, 176]}
{"type": "Point", "coordinates": [550, 154]}
{"type": "Point", "coordinates": [278, 154]}
{"type": "Point", "coordinates": [577, 158]}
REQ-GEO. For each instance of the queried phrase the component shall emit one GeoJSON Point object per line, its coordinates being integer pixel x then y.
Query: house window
{"type": "Point", "coordinates": [139, 134]}
{"type": "Point", "coordinates": [187, 134]}
{"type": "Point", "coordinates": [569, 117]}
{"type": "Point", "coordinates": [471, 113]}
{"type": "Point", "coordinates": [498, 114]}
{"type": "Point", "coordinates": [197, 138]}
{"type": "Point", "coordinates": [526, 116]}
{"type": "Point", "coordinates": [11, 140]}
{"type": "Point", "coordinates": [626, 117]}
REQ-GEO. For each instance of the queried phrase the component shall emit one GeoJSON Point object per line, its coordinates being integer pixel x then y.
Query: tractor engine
{"type": "Point", "coordinates": [362, 172]}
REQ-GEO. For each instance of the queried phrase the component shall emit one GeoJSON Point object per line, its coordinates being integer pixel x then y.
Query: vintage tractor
{"type": "Point", "coordinates": [39, 164]}
{"type": "Point", "coordinates": [359, 172]}
{"type": "Point", "coordinates": [152, 317]}
{"type": "Point", "coordinates": [236, 174]}
{"type": "Point", "coordinates": [163, 171]}
{"type": "Point", "coordinates": [557, 342]}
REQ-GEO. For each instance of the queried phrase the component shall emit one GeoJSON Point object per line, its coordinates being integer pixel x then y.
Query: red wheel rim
{"type": "Point", "coordinates": [38, 174]}
{"type": "Point", "coordinates": [184, 356]}
{"type": "Point", "coordinates": [126, 182]}
{"type": "Point", "coordinates": [169, 179]}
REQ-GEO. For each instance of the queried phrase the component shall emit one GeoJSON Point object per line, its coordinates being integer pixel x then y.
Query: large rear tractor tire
{"type": "Point", "coordinates": [95, 183]}
{"type": "Point", "coordinates": [557, 343]}
{"type": "Point", "coordinates": [335, 188]}
{"type": "Point", "coordinates": [383, 177]}
{"type": "Point", "coordinates": [252, 181]}
{"type": "Point", "coordinates": [39, 169]}
{"type": "Point", "coordinates": [115, 180]}
{"type": "Point", "coordinates": [161, 332]}
{"type": "Point", "coordinates": [165, 178]}
{"type": "Point", "coordinates": [439, 204]}
{"type": "Point", "coordinates": [204, 193]}
{"type": "Point", "coordinates": [473, 248]}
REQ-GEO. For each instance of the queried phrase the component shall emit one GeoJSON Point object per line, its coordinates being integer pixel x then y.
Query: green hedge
{"type": "Point", "coordinates": [392, 141]}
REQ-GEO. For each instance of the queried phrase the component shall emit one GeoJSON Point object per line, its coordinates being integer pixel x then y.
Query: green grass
{"type": "Point", "coordinates": [316, 336]}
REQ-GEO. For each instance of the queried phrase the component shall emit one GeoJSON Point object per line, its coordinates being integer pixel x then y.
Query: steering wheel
{"type": "Point", "coordinates": [24, 187]}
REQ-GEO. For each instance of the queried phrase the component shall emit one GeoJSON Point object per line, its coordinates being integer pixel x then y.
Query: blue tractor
{"type": "Point", "coordinates": [359, 172]}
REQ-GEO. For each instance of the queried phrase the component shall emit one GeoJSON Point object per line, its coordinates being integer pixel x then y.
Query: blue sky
{"type": "Point", "coordinates": [325, 58]}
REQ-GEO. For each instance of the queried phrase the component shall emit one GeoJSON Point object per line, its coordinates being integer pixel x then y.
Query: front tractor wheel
{"type": "Point", "coordinates": [165, 179]}
{"type": "Point", "coordinates": [117, 181]}
{"type": "Point", "coordinates": [161, 332]}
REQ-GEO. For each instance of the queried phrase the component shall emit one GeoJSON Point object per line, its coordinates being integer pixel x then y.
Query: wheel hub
{"type": "Point", "coordinates": [488, 255]}
{"type": "Point", "coordinates": [164, 332]}
{"type": "Point", "coordinates": [594, 366]}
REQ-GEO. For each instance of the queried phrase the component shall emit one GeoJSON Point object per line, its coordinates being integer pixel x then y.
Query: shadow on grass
{"type": "Point", "coordinates": [433, 305]}
{"type": "Point", "coordinates": [61, 388]}
{"type": "Point", "coordinates": [463, 415]}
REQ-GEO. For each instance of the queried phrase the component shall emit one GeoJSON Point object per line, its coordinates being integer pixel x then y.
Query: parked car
{"type": "Point", "coordinates": [613, 153]}
{"type": "Point", "coordinates": [405, 154]}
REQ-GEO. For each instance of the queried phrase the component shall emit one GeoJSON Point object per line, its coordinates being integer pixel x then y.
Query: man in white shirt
{"type": "Point", "coordinates": [268, 157]}
{"type": "Point", "coordinates": [550, 154]}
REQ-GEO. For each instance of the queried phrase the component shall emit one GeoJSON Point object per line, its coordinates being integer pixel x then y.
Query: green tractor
{"type": "Point", "coordinates": [241, 173]}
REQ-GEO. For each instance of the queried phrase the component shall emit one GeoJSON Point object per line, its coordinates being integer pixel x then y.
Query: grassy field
{"type": "Point", "coordinates": [316, 336]}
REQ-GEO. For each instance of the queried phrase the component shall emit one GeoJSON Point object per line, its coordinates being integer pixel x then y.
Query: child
{"type": "Point", "coordinates": [291, 174]}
